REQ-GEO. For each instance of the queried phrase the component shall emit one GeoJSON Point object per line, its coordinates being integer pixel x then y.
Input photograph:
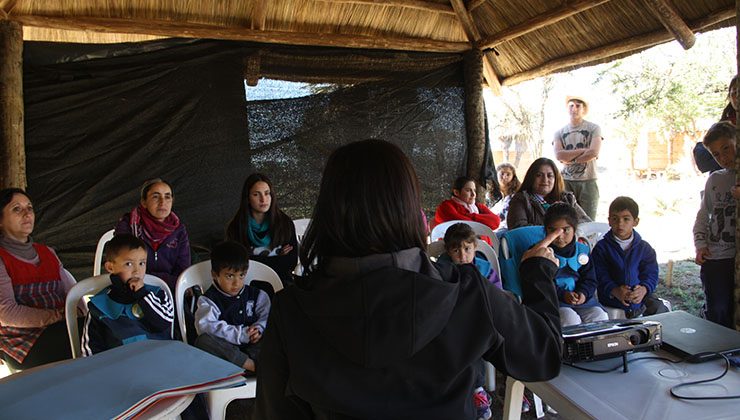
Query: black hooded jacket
{"type": "Point", "coordinates": [392, 336]}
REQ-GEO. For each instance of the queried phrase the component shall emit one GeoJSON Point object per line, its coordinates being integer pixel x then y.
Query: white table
{"type": "Point", "coordinates": [641, 393]}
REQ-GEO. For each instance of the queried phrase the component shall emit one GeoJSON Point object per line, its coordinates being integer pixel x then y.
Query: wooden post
{"type": "Point", "coordinates": [474, 124]}
{"type": "Point", "coordinates": [669, 274]}
{"type": "Point", "coordinates": [737, 179]}
{"type": "Point", "coordinates": [12, 148]}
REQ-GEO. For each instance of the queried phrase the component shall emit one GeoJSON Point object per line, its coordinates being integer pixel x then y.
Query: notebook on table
{"type": "Point", "coordinates": [695, 339]}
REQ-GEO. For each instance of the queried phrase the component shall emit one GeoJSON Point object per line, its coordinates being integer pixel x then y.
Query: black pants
{"type": "Point", "coordinates": [718, 281]}
{"type": "Point", "coordinates": [51, 346]}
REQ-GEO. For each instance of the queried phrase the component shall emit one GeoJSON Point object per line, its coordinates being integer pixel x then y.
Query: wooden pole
{"type": "Point", "coordinates": [669, 17]}
{"type": "Point", "coordinates": [669, 273]}
{"type": "Point", "coordinates": [426, 6]}
{"type": "Point", "coordinates": [568, 9]}
{"type": "Point", "coordinates": [12, 148]}
{"type": "Point", "coordinates": [199, 30]}
{"type": "Point", "coordinates": [615, 48]}
{"type": "Point", "coordinates": [737, 177]}
{"type": "Point", "coordinates": [471, 31]}
{"type": "Point", "coordinates": [474, 117]}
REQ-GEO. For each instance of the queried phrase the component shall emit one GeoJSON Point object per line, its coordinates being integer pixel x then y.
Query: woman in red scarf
{"type": "Point", "coordinates": [33, 288]}
{"type": "Point", "coordinates": [462, 206]}
{"type": "Point", "coordinates": [154, 222]}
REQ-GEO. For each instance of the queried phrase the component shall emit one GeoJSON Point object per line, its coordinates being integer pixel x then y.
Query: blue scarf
{"type": "Point", "coordinates": [259, 233]}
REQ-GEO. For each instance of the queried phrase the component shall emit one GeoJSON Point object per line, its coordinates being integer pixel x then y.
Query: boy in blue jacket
{"type": "Point", "coordinates": [626, 268]}
{"type": "Point", "coordinates": [128, 310]}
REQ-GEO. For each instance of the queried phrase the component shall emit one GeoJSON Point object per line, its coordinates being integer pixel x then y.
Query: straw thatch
{"type": "Point", "coordinates": [522, 39]}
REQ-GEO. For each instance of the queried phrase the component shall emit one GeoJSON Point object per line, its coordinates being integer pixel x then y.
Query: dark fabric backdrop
{"type": "Point", "coordinates": [101, 119]}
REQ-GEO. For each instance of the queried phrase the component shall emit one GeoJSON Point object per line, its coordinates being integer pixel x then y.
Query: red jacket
{"type": "Point", "coordinates": [451, 210]}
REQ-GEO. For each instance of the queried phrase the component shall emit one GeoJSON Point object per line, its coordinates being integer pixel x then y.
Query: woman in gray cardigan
{"type": "Point", "coordinates": [542, 186]}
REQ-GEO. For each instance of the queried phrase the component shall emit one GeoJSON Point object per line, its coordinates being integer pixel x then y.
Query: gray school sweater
{"type": "Point", "coordinates": [714, 227]}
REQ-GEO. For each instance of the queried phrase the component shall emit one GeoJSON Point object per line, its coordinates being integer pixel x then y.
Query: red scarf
{"type": "Point", "coordinates": [144, 226]}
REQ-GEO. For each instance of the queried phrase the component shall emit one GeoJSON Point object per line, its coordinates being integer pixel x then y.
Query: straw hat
{"type": "Point", "coordinates": [577, 98]}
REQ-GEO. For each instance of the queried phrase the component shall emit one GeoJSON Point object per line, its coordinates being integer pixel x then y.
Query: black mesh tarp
{"type": "Point", "coordinates": [102, 119]}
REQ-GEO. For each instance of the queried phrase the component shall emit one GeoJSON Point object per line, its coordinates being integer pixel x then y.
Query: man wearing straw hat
{"type": "Point", "coordinates": [577, 147]}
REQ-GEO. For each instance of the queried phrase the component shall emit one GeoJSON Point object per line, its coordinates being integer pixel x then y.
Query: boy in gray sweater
{"type": "Point", "coordinates": [714, 228]}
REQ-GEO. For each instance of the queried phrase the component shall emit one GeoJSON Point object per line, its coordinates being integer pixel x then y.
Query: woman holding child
{"type": "Point", "coordinates": [542, 186]}
{"type": "Point", "coordinates": [33, 289]}
{"type": "Point", "coordinates": [462, 206]}
{"type": "Point", "coordinates": [375, 329]}
{"type": "Point", "coordinates": [264, 229]}
{"type": "Point", "coordinates": [154, 222]}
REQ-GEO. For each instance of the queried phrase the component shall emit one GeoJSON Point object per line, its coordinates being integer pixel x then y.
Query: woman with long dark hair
{"type": "Point", "coordinates": [33, 289]}
{"type": "Point", "coordinates": [542, 186]}
{"type": "Point", "coordinates": [375, 329]}
{"type": "Point", "coordinates": [263, 228]}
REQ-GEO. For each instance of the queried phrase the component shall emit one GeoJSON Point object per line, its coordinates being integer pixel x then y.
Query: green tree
{"type": "Point", "coordinates": [677, 88]}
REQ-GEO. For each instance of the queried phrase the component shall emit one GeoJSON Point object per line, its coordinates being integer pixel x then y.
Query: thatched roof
{"type": "Point", "coordinates": [523, 39]}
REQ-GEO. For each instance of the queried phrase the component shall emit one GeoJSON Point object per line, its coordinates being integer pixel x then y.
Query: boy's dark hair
{"type": "Point", "coordinates": [457, 234]}
{"type": "Point", "coordinates": [624, 203]}
{"type": "Point", "coordinates": [229, 254]}
{"type": "Point", "coordinates": [720, 130]}
{"type": "Point", "coordinates": [560, 210]}
{"type": "Point", "coordinates": [122, 242]}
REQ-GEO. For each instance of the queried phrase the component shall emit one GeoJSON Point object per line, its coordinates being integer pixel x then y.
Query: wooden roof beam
{"type": "Point", "coordinates": [198, 30]}
{"type": "Point", "coordinates": [259, 15]}
{"type": "Point", "coordinates": [6, 6]}
{"type": "Point", "coordinates": [616, 48]}
{"type": "Point", "coordinates": [474, 4]}
{"type": "Point", "coordinates": [667, 14]}
{"type": "Point", "coordinates": [568, 9]}
{"type": "Point", "coordinates": [471, 31]}
{"type": "Point", "coordinates": [426, 6]}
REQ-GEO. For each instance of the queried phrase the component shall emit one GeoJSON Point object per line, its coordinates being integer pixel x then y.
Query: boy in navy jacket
{"type": "Point", "coordinates": [626, 267]}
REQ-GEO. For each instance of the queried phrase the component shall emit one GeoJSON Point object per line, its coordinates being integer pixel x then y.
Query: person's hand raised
{"type": "Point", "coordinates": [542, 248]}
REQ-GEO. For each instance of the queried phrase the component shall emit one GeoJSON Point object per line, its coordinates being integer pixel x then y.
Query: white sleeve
{"type": "Point", "coordinates": [207, 322]}
{"type": "Point", "coordinates": [262, 309]}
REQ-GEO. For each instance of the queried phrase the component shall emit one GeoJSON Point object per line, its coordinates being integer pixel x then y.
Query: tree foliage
{"type": "Point", "coordinates": [678, 88]}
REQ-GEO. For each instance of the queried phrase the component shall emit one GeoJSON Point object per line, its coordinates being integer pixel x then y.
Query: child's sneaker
{"type": "Point", "coordinates": [482, 404]}
{"type": "Point", "coordinates": [525, 404]}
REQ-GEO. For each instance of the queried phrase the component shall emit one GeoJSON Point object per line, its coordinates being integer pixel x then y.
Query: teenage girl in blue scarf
{"type": "Point", "coordinates": [264, 229]}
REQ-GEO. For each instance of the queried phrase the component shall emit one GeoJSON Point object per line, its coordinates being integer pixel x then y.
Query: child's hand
{"type": "Point", "coordinates": [254, 334]}
{"type": "Point", "coordinates": [135, 283]}
{"type": "Point", "coordinates": [285, 250]}
{"type": "Point", "coordinates": [637, 294]}
{"type": "Point", "coordinates": [580, 298]}
{"type": "Point", "coordinates": [542, 248]}
{"type": "Point", "coordinates": [622, 293]}
{"type": "Point", "coordinates": [701, 255]}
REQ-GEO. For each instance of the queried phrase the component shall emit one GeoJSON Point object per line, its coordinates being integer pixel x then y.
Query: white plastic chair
{"type": "Point", "coordinates": [479, 228]}
{"type": "Point", "coordinates": [592, 232]}
{"type": "Point", "coordinates": [98, 262]}
{"type": "Point", "coordinates": [300, 228]}
{"type": "Point", "coordinates": [200, 275]}
{"type": "Point", "coordinates": [89, 287]}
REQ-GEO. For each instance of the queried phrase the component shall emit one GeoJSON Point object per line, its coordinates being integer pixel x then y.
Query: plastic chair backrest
{"type": "Point", "coordinates": [300, 228]}
{"type": "Point", "coordinates": [98, 262]}
{"type": "Point", "coordinates": [89, 287]}
{"type": "Point", "coordinates": [200, 275]}
{"type": "Point", "coordinates": [592, 232]}
{"type": "Point", "coordinates": [479, 228]}
{"type": "Point", "coordinates": [437, 248]}
{"type": "Point", "coordinates": [513, 245]}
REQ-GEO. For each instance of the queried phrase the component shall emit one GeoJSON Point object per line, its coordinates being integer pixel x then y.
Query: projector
{"type": "Point", "coordinates": [612, 338]}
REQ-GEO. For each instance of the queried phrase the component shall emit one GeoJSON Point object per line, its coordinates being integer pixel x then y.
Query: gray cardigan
{"type": "Point", "coordinates": [526, 210]}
